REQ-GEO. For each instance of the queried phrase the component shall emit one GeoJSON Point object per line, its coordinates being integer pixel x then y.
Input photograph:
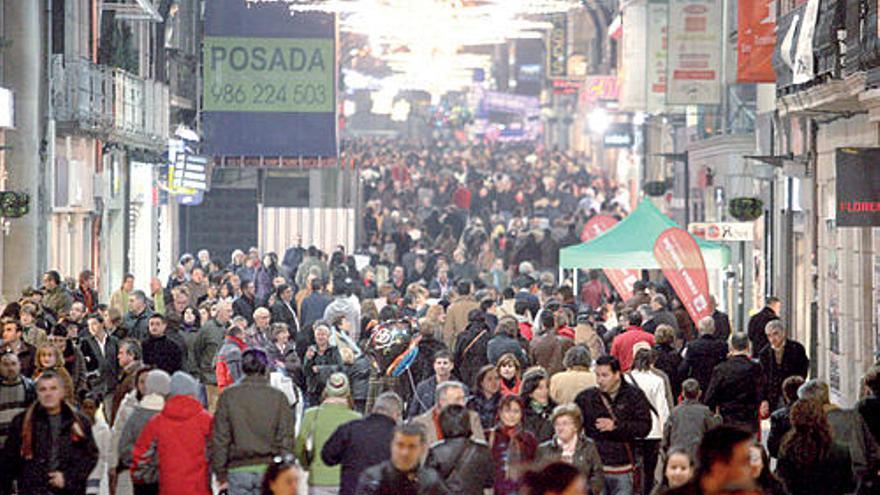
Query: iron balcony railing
{"type": "Point", "coordinates": [110, 103]}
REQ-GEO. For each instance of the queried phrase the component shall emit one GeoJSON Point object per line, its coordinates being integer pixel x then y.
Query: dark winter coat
{"type": "Point", "coordinates": [469, 363]}
{"type": "Point", "coordinates": [313, 307]}
{"type": "Point", "coordinates": [668, 361]}
{"type": "Point", "coordinates": [538, 422]}
{"type": "Point", "coordinates": [423, 400]}
{"type": "Point", "coordinates": [328, 363]}
{"type": "Point", "coordinates": [245, 308]}
{"type": "Point", "coordinates": [385, 479]}
{"type": "Point", "coordinates": [831, 476]}
{"type": "Point", "coordinates": [735, 390]}
{"type": "Point", "coordinates": [205, 347]}
{"type": "Point", "coordinates": [586, 459]}
{"type": "Point", "coordinates": [359, 377]}
{"type": "Point", "coordinates": [357, 445]}
{"type": "Point", "coordinates": [633, 412]}
{"type": "Point", "coordinates": [465, 465]}
{"type": "Point", "coordinates": [282, 313]}
{"type": "Point", "coordinates": [794, 362]}
{"type": "Point", "coordinates": [722, 325]}
{"type": "Point", "coordinates": [865, 446]}
{"type": "Point", "coordinates": [701, 357]}
{"type": "Point", "coordinates": [513, 450]}
{"type": "Point", "coordinates": [102, 369]}
{"type": "Point", "coordinates": [137, 326]}
{"type": "Point", "coordinates": [487, 409]}
{"type": "Point", "coordinates": [686, 425]}
{"type": "Point", "coordinates": [77, 453]}
{"type": "Point", "coordinates": [423, 366]}
{"type": "Point", "coordinates": [779, 426]}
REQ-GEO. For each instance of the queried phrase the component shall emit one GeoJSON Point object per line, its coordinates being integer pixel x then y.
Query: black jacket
{"type": "Point", "coordinates": [701, 357]}
{"type": "Point", "coordinates": [779, 426]}
{"type": "Point", "coordinates": [722, 325]}
{"type": "Point", "coordinates": [163, 353]}
{"type": "Point", "coordinates": [464, 465]}
{"type": "Point", "coordinates": [502, 344]}
{"type": "Point", "coordinates": [794, 362]}
{"type": "Point", "coordinates": [359, 377]}
{"type": "Point", "coordinates": [357, 445]}
{"type": "Point", "coordinates": [668, 361]}
{"type": "Point", "coordinates": [633, 412]}
{"type": "Point", "coordinates": [757, 326]}
{"type": "Point", "coordinates": [101, 369]}
{"type": "Point", "coordinates": [385, 479]}
{"type": "Point", "coordinates": [75, 457]}
{"type": "Point", "coordinates": [245, 308]}
{"type": "Point", "coordinates": [538, 423]}
{"type": "Point", "coordinates": [282, 314]}
{"type": "Point", "coordinates": [328, 363]}
{"type": "Point", "coordinates": [487, 409]}
{"type": "Point", "coordinates": [469, 363]}
{"type": "Point", "coordinates": [831, 476]}
{"type": "Point", "coordinates": [736, 390]}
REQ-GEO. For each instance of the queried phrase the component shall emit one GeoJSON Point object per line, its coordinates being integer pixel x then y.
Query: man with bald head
{"type": "Point", "coordinates": [258, 334]}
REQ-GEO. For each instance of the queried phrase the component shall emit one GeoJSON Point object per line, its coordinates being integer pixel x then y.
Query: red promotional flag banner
{"type": "Point", "coordinates": [682, 262]}
{"type": "Point", "coordinates": [621, 280]}
{"type": "Point", "coordinates": [756, 36]}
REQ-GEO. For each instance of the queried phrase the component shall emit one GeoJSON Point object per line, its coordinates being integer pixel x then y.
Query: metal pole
{"type": "Point", "coordinates": [687, 190]}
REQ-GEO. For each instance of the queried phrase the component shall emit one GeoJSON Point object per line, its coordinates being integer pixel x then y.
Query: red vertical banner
{"type": "Point", "coordinates": [621, 280]}
{"type": "Point", "coordinates": [680, 258]}
{"type": "Point", "coordinates": [756, 38]}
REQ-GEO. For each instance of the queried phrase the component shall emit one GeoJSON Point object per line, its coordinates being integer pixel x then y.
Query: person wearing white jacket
{"type": "Point", "coordinates": [653, 385]}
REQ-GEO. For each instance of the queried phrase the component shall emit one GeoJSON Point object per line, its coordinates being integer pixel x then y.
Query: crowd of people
{"type": "Point", "coordinates": [443, 356]}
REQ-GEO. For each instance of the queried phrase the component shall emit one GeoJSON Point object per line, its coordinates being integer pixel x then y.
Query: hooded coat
{"type": "Point", "coordinates": [181, 433]}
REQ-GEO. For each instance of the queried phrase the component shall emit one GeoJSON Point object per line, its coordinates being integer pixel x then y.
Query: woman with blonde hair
{"type": "Point", "coordinates": [49, 358]}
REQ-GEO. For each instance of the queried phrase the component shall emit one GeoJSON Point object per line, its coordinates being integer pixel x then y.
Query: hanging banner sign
{"type": "Point", "coordinates": [633, 58]}
{"type": "Point", "coordinates": [682, 262]}
{"type": "Point", "coordinates": [658, 17]}
{"type": "Point", "coordinates": [756, 41]}
{"type": "Point", "coordinates": [694, 63]}
{"type": "Point", "coordinates": [803, 54]}
{"type": "Point", "coordinates": [857, 187]}
{"type": "Point", "coordinates": [621, 280]}
{"type": "Point", "coordinates": [557, 46]}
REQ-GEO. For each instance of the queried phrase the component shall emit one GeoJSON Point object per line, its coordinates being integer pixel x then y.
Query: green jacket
{"type": "Point", "coordinates": [253, 423]}
{"type": "Point", "coordinates": [204, 349]}
{"type": "Point", "coordinates": [329, 416]}
{"type": "Point", "coordinates": [58, 300]}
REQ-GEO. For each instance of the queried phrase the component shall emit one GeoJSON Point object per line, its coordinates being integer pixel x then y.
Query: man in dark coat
{"type": "Point", "coordinates": [426, 389]}
{"type": "Point", "coordinates": [159, 350]}
{"type": "Point", "coordinates": [314, 304]}
{"type": "Point", "coordinates": [402, 474]}
{"type": "Point", "coordinates": [722, 321]}
{"type": "Point", "coordinates": [780, 359]}
{"type": "Point", "coordinates": [660, 315]}
{"type": "Point", "coordinates": [735, 388]}
{"type": "Point", "coordinates": [362, 443]}
{"type": "Point", "coordinates": [616, 414]}
{"type": "Point", "coordinates": [282, 310]}
{"type": "Point", "coordinates": [758, 324]}
{"type": "Point", "coordinates": [50, 449]}
{"type": "Point", "coordinates": [136, 321]}
{"type": "Point", "coordinates": [703, 354]}
{"type": "Point", "coordinates": [100, 351]}
{"type": "Point", "coordinates": [246, 304]}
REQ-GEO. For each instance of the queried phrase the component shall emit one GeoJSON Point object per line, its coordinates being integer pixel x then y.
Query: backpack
{"type": "Point", "coordinates": [221, 370]}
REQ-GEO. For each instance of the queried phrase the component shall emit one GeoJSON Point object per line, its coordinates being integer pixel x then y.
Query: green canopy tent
{"type": "Point", "coordinates": [630, 244]}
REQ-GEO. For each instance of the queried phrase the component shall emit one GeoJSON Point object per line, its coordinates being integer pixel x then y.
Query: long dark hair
{"type": "Point", "coordinates": [809, 440]}
{"type": "Point", "coordinates": [766, 480]}
{"type": "Point", "coordinates": [554, 477]}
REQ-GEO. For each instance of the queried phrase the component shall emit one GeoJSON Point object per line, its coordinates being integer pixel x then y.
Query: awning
{"type": "Point", "coordinates": [630, 244]}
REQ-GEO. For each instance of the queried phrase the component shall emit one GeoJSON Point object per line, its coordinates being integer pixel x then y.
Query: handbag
{"type": "Point", "coordinates": [637, 470]}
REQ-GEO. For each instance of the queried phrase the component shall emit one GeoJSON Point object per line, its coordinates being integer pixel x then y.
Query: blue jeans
{"type": "Point", "coordinates": [245, 483]}
{"type": "Point", "coordinates": [619, 484]}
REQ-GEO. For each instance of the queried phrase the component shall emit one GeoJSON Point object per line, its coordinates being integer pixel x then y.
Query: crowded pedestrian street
{"type": "Point", "coordinates": [387, 247]}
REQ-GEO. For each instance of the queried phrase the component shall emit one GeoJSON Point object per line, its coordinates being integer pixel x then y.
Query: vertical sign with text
{"type": "Point", "coordinates": [694, 63]}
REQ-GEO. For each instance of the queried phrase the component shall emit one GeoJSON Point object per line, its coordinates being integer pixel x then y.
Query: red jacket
{"type": "Point", "coordinates": [181, 432]}
{"type": "Point", "coordinates": [622, 347]}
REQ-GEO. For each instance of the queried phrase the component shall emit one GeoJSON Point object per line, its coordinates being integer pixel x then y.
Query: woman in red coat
{"type": "Point", "coordinates": [181, 433]}
{"type": "Point", "coordinates": [513, 448]}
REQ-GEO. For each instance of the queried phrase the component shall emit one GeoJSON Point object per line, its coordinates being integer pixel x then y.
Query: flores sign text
{"type": "Point", "coordinates": [268, 75]}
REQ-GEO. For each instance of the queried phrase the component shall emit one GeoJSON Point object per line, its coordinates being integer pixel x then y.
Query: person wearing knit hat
{"type": "Point", "coordinates": [337, 386]}
{"type": "Point", "coordinates": [156, 387]}
{"type": "Point", "coordinates": [183, 383]}
{"type": "Point", "coordinates": [317, 425]}
{"type": "Point", "coordinates": [180, 434]}
{"type": "Point", "coordinates": [157, 382]}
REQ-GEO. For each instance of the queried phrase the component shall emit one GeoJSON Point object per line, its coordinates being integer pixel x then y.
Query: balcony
{"type": "Point", "coordinates": [110, 104]}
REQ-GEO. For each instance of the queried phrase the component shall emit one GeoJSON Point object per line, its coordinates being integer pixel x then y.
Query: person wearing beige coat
{"type": "Point", "coordinates": [565, 385]}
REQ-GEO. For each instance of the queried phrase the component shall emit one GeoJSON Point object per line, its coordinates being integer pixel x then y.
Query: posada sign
{"type": "Point", "coordinates": [682, 262]}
